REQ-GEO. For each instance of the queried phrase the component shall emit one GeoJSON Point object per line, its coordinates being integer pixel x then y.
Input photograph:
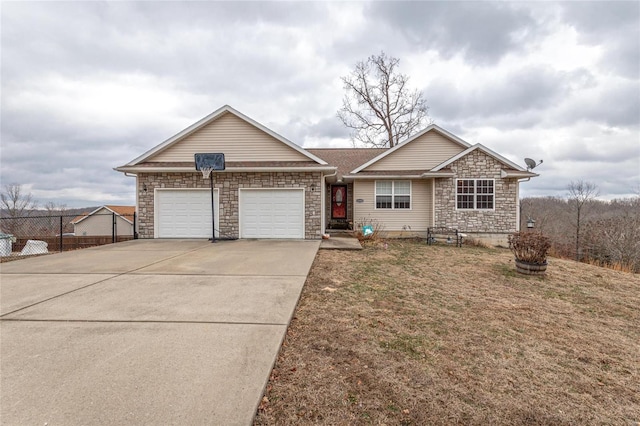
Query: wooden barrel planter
{"type": "Point", "coordinates": [531, 268]}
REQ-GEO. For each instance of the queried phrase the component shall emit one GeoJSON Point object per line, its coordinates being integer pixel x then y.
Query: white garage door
{"type": "Point", "coordinates": [184, 213]}
{"type": "Point", "coordinates": [271, 213]}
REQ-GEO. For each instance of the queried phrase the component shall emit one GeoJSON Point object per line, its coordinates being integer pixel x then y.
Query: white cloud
{"type": "Point", "coordinates": [102, 101]}
{"type": "Point", "coordinates": [89, 86]}
{"type": "Point", "coordinates": [84, 195]}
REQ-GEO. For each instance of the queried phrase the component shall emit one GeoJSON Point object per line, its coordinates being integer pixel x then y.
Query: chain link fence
{"type": "Point", "coordinates": [39, 234]}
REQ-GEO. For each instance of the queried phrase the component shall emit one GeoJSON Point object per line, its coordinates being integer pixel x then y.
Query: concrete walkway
{"type": "Point", "coordinates": [341, 243]}
{"type": "Point", "coordinates": [146, 332]}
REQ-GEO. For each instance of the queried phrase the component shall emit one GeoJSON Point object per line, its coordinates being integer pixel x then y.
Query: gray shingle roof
{"type": "Point", "coordinates": [346, 159]}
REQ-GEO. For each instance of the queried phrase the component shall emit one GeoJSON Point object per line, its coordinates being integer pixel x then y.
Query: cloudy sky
{"type": "Point", "coordinates": [88, 86]}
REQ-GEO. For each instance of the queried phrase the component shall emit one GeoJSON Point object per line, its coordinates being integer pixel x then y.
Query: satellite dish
{"type": "Point", "coordinates": [531, 164]}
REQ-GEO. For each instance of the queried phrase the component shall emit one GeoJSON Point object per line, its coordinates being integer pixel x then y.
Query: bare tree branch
{"type": "Point", "coordinates": [15, 202]}
{"type": "Point", "coordinates": [55, 208]}
{"type": "Point", "coordinates": [378, 106]}
{"type": "Point", "coordinates": [580, 192]}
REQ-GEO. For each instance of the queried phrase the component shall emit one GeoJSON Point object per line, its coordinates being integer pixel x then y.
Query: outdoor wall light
{"type": "Point", "coordinates": [313, 187]}
{"type": "Point", "coordinates": [144, 187]}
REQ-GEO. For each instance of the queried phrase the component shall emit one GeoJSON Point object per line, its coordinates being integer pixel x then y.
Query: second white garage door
{"type": "Point", "coordinates": [271, 213]}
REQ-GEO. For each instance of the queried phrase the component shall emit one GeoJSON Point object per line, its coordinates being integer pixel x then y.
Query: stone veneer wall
{"type": "Point", "coordinates": [228, 185]}
{"type": "Point", "coordinates": [477, 165]}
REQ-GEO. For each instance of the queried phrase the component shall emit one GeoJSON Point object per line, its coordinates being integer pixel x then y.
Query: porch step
{"type": "Point", "coordinates": [339, 232]}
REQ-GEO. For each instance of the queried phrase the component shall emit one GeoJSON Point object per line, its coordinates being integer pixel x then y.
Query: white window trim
{"type": "Point", "coordinates": [475, 195]}
{"type": "Point", "coordinates": [393, 194]}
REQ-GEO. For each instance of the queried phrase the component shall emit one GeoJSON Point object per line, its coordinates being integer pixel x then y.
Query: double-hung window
{"type": "Point", "coordinates": [475, 194]}
{"type": "Point", "coordinates": [393, 194]}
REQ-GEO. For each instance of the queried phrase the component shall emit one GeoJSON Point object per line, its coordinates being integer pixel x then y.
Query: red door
{"type": "Point", "coordinates": [338, 202]}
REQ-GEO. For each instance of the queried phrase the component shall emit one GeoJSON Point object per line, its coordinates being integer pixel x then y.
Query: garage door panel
{"type": "Point", "coordinates": [185, 213]}
{"type": "Point", "coordinates": [272, 213]}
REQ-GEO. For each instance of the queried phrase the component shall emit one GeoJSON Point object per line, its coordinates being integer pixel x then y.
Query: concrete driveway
{"type": "Point", "coordinates": [146, 332]}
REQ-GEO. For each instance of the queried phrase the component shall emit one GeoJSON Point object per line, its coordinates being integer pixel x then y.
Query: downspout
{"type": "Point", "coordinates": [323, 213]}
{"type": "Point", "coordinates": [433, 201]}
{"type": "Point", "coordinates": [518, 202]}
{"type": "Point", "coordinates": [136, 220]}
{"type": "Point", "coordinates": [518, 207]}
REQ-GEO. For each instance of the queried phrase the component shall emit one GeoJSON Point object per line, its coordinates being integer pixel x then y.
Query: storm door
{"type": "Point", "coordinates": [339, 202]}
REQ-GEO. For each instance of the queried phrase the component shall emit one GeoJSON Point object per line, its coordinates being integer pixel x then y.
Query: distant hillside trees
{"type": "Point", "coordinates": [616, 239]}
{"type": "Point", "coordinates": [608, 232]}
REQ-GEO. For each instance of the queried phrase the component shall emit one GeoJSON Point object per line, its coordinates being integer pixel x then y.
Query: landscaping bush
{"type": "Point", "coordinates": [531, 247]}
{"type": "Point", "coordinates": [376, 229]}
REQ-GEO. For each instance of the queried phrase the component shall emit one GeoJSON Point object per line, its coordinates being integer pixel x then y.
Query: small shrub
{"type": "Point", "coordinates": [476, 242]}
{"type": "Point", "coordinates": [374, 223]}
{"type": "Point", "coordinates": [531, 247]}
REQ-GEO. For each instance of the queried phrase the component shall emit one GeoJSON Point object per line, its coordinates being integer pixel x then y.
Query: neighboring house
{"type": "Point", "coordinates": [272, 188]}
{"type": "Point", "coordinates": [100, 222]}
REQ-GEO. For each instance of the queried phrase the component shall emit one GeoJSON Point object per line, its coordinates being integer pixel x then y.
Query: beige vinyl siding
{"type": "Point", "coordinates": [423, 153]}
{"type": "Point", "coordinates": [237, 139]}
{"type": "Point", "coordinates": [419, 217]}
{"type": "Point", "coordinates": [100, 224]}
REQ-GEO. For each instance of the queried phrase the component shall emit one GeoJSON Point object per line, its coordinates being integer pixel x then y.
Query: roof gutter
{"type": "Point", "coordinates": [436, 175]}
{"type": "Point", "coordinates": [517, 174]}
{"type": "Point", "coordinates": [427, 175]}
{"type": "Point", "coordinates": [133, 169]}
{"type": "Point", "coordinates": [354, 177]}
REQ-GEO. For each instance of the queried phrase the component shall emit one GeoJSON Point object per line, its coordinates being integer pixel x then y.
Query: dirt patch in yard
{"type": "Point", "coordinates": [414, 334]}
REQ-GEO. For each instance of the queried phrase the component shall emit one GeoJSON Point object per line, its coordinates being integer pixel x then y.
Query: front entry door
{"type": "Point", "coordinates": [339, 202]}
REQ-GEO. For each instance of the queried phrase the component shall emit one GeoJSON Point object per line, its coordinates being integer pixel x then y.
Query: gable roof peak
{"type": "Point", "coordinates": [429, 128]}
{"type": "Point", "coordinates": [484, 149]}
{"type": "Point", "coordinates": [125, 212]}
{"type": "Point", "coordinates": [209, 119]}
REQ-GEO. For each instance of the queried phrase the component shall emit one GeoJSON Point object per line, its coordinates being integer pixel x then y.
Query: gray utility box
{"type": "Point", "coordinates": [6, 244]}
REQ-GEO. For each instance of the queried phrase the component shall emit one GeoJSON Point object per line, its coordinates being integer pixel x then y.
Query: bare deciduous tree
{"type": "Point", "coordinates": [55, 208]}
{"type": "Point", "coordinates": [15, 202]}
{"type": "Point", "coordinates": [378, 106]}
{"type": "Point", "coordinates": [15, 205]}
{"type": "Point", "coordinates": [580, 193]}
{"type": "Point", "coordinates": [57, 220]}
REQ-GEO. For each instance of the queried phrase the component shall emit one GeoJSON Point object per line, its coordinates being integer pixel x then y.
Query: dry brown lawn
{"type": "Point", "coordinates": [416, 335]}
